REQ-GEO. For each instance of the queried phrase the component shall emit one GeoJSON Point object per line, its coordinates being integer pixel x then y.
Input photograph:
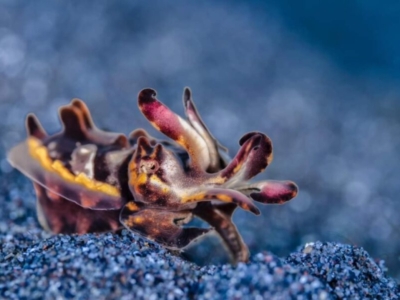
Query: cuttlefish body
{"type": "Point", "coordinates": [89, 180]}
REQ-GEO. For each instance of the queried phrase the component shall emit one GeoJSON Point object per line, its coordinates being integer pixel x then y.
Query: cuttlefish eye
{"type": "Point", "coordinates": [149, 166]}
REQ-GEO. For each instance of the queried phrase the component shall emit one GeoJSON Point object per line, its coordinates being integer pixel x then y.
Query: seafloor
{"type": "Point", "coordinates": [37, 265]}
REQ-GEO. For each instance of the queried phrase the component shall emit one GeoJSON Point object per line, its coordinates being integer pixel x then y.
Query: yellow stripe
{"type": "Point", "coordinates": [224, 198]}
{"type": "Point", "coordinates": [40, 153]}
{"type": "Point", "coordinates": [193, 198]}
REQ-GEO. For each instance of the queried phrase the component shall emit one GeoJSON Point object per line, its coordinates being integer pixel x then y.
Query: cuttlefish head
{"type": "Point", "coordinates": [156, 174]}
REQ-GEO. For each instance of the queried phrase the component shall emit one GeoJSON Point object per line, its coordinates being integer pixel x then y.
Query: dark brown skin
{"type": "Point", "coordinates": [59, 215]}
{"type": "Point", "coordinates": [88, 180]}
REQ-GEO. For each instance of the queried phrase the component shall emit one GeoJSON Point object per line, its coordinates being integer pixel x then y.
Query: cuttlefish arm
{"type": "Point", "coordinates": [217, 153]}
{"type": "Point", "coordinates": [176, 128]}
{"type": "Point", "coordinates": [252, 158]}
{"type": "Point", "coordinates": [220, 217]}
{"type": "Point", "coordinates": [161, 226]}
{"type": "Point", "coordinates": [270, 191]}
{"type": "Point", "coordinates": [221, 196]}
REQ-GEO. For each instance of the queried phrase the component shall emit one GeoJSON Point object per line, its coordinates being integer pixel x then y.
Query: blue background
{"type": "Point", "coordinates": [321, 78]}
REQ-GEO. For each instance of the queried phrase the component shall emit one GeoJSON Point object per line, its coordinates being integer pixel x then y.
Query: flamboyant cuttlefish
{"type": "Point", "coordinates": [89, 180]}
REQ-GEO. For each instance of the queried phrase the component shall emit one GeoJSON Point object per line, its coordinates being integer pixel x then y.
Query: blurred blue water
{"type": "Point", "coordinates": [322, 79]}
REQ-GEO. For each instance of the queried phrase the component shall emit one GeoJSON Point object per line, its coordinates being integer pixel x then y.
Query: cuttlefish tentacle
{"type": "Point", "coordinates": [176, 128]}
{"type": "Point", "coordinates": [252, 158]}
{"type": "Point", "coordinates": [220, 195]}
{"type": "Point", "coordinates": [220, 217]}
{"type": "Point", "coordinates": [270, 191]}
{"type": "Point", "coordinates": [161, 226]}
{"type": "Point", "coordinates": [197, 123]}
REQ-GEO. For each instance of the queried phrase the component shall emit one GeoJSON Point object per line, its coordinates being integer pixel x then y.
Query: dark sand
{"type": "Point", "coordinates": [36, 265]}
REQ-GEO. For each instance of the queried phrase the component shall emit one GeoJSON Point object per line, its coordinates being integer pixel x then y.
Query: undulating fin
{"type": "Point", "coordinates": [271, 191]}
{"type": "Point", "coordinates": [34, 128]}
{"type": "Point", "coordinates": [58, 215]}
{"type": "Point", "coordinates": [52, 175]}
{"type": "Point", "coordinates": [197, 123]}
{"type": "Point", "coordinates": [220, 217]}
{"type": "Point", "coordinates": [176, 128]}
{"type": "Point", "coordinates": [221, 195]}
{"type": "Point", "coordinates": [161, 226]}
{"type": "Point", "coordinates": [252, 158]}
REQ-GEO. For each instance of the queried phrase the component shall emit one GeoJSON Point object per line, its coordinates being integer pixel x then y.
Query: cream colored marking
{"type": "Point", "coordinates": [89, 166]}
{"type": "Point", "coordinates": [52, 146]}
{"type": "Point", "coordinates": [193, 142]}
{"type": "Point", "coordinates": [84, 150]}
{"type": "Point", "coordinates": [210, 142]}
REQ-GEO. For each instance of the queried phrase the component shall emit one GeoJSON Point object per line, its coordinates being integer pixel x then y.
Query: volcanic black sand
{"type": "Point", "coordinates": [36, 265]}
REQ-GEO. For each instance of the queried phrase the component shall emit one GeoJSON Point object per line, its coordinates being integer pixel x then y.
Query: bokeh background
{"type": "Point", "coordinates": [321, 78]}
